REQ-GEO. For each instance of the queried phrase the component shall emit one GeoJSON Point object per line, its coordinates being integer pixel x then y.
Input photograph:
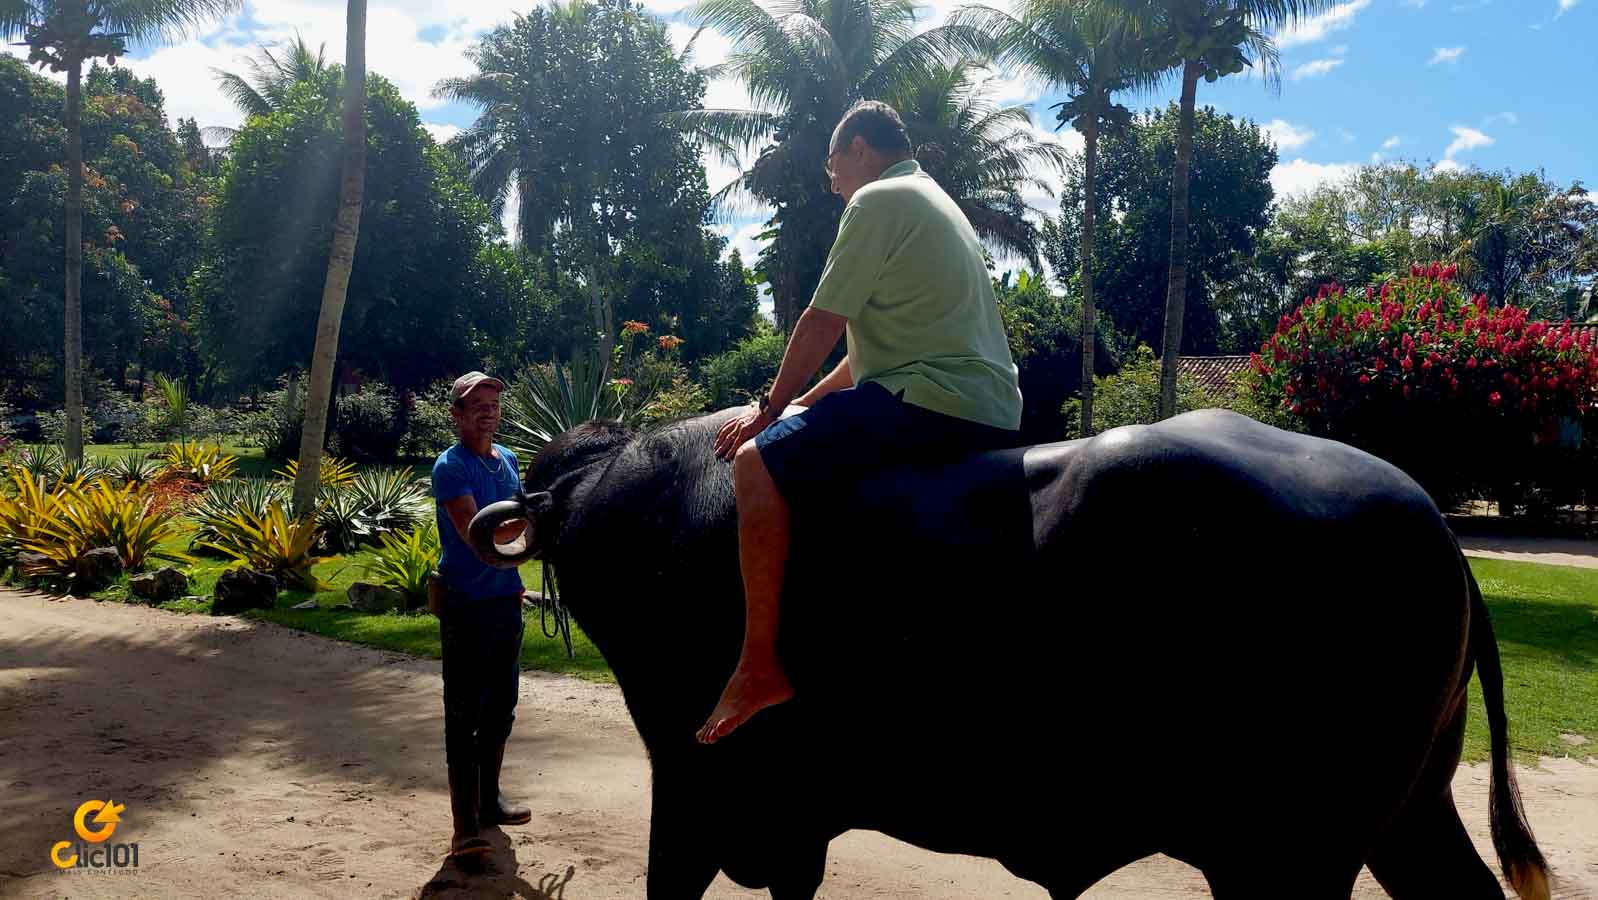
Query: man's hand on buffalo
{"type": "Point", "coordinates": [738, 429]}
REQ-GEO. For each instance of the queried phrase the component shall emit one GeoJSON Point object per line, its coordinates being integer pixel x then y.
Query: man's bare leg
{"type": "Point", "coordinates": [759, 680]}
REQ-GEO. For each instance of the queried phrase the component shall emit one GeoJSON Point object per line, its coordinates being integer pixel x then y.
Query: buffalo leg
{"type": "Point", "coordinates": [801, 879]}
{"type": "Point", "coordinates": [679, 866]}
{"type": "Point", "coordinates": [1301, 879]}
{"type": "Point", "coordinates": [1429, 854]}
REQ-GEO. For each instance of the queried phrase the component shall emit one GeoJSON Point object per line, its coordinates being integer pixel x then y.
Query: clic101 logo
{"type": "Point", "coordinates": [94, 853]}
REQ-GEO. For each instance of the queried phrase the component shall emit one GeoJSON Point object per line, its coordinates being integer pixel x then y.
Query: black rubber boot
{"type": "Point", "coordinates": [463, 786]}
{"type": "Point", "coordinates": [494, 807]}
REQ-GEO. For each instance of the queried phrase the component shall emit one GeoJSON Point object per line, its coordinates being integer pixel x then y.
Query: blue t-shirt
{"type": "Point", "coordinates": [458, 472]}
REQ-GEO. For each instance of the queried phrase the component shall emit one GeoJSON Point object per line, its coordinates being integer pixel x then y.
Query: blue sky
{"type": "Point", "coordinates": [1490, 83]}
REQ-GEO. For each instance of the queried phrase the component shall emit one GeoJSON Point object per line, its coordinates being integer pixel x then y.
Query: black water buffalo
{"type": "Point", "coordinates": [1243, 648]}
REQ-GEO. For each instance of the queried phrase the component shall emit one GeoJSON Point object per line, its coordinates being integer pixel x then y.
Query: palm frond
{"type": "Point", "coordinates": [915, 59]}
{"type": "Point", "coordinates": [16, 16]}
{"type": "Point", "coordinates": [242, 94]}
{"type": "Point", "coordinates": [738, 128]}
{"type": "Point", "coordinates": [144, 20]}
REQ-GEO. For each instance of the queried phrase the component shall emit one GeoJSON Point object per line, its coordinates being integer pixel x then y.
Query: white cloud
{"type": "Point", "coordinates": [1565, 6]}
{"type": "Point", "coordinates": [1507, 117]}
{"type": "Point", "coordinates": [1446, 55]}
{"type": "Point", "coordinates": [1465, 139]}
{"type": "Point", "coordinates": [1316, 68]}
{"type": "Point", "coordinates": [184, 73]}
{"type": "Point", "coordinates": [394, 47]}
{"type": "Point", "coordinates": [711, 48]}
{"type": "Point", "coordinates": [1286, 135]}
{"type": "Point", "coordinates": [743, 240]}
{"type": "Point", "coordinates": [1448, 165]}
{"type": "Point", "coordinates": [1009, 91]}
{"type": "Point", "coordinates": [1316, 28]}
{"type": "Point", "coordinates": [441, 132]}
{"type": "Point", "coordinates": [1347, 136]}
{"type": "Point", "coordinates": [1391, 142]}
{"type": "Point", "coordinates": [1417, 4]}
{"type": "Point", "coordinates": [1302, 176]}
{"type": "Point", "coordinates": [932, 13]}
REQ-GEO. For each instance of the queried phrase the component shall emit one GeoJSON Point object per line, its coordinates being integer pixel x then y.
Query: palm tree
{"type": "Point", "coordinates": [266, 86]}
{"type": "Point", "coordinates": [340, 261]}
{"type": "Point", "coordinates": [804, 62]}
{"type": "Point", "coordinates": [64, 34]}
{"type": "Point", "coordinates": [569, 96]}
{"type": "Point", "coordinates": [1211, 39]}
{"type": "Point", "coordinates": [983, 155]}
{"type": "Point", "coordinates": [1093, 51]}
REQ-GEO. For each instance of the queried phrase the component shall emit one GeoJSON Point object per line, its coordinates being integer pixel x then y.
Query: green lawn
{"type": "Point", "coordinates": [1546, 620]}
{"type": "Point", "coordinates": [252, 460]}
{"type": "Point", "coordinates": [414, 633]}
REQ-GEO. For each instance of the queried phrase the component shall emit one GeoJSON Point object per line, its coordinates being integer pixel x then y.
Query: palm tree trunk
{"type": "Point", "coordinates": [1176, 285]}
{"type": "Point", "coordinates": [73, 371]}
{"type": "Point", "coordinates": [603, 314]}
{"type": "Point", "coordinates": [339, 263]}
{"type": "Point", "coordinates": [1089, 314]}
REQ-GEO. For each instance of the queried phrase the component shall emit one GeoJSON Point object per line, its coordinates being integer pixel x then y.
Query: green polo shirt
{"type": "Point", "coordinates": [907, 272]}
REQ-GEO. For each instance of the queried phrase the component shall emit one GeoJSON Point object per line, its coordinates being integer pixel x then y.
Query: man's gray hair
{"type": "Point", "coordinates": [877, 124]}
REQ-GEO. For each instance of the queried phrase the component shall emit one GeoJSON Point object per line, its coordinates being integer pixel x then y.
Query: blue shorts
{"type": "Point", "coordinates": [850, 433]}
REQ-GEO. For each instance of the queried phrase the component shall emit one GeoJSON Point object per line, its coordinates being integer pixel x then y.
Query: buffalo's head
{"type": "Point", "coordinates": [500, 519]}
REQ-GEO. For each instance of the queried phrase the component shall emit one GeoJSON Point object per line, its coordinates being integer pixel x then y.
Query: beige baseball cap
{"type": "Point", "coordinates": [466, 383]}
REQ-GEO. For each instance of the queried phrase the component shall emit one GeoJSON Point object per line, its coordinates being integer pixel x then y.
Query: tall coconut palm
{"type": "Point", "coordinates": [984, 155]}
{"type": "Point", "coordinates": [1212, 39]}
{"type": "Point", "coordinates": [804, 62]}
{"type": "Point", "coordinates": [266, 85]}
{"type": "Point", "coordinates": [1093, 51]}
{"type": "Point", "coordinates": [340, 261]}
{"type": "Point", "coordinates": [63, 35]}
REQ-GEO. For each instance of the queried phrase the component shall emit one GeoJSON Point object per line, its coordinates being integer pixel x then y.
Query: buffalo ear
{"type": "Point", "coordinates": [538, 503]}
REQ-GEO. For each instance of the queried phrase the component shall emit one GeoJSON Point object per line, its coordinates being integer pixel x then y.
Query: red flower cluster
{"type": "Point", "coordinates": [631, 327]}
{"type": "Point", "coordinates": [1421, 339]}
{"type": "Point", "coordinates": [669, 342]}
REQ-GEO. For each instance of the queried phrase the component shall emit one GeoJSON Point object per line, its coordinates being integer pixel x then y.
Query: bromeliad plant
{"type": "Point", "coordinates": [1436, 381]}
{"type": "Point", "coordinates": [336, 472]}
{"type": "Point", "coordinates": [137, 469]}
{"type": "Point", "coordinates": [405, 560]}
{"type": "Point", "coordinates": [274, 543]}
{"type": "Point", "coordinates": [197, 463]}
{"type": "Point", "coordinates": [378, 502]}
{"type": "Point", "coordinates": [33, 502]}
{"type": "Point", "coordinates": [226, 499]}
{"type": "Point", "coordinates": [122, 518]}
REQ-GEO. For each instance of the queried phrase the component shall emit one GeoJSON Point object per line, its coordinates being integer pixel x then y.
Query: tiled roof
{"type": "Point", "coordinates": [1214, 373]}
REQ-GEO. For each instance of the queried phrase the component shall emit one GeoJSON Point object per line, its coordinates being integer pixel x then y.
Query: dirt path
{"type": "Point", "coordinates": [1549, 551]}
{"type": "Point", "coordinates": [258, 761]}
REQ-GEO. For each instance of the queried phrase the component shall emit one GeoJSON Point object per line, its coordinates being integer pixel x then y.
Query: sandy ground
{"type": "Point", "coordinates": [1550, 551]}
{"type": "Point", "coordinates": [258, 761]}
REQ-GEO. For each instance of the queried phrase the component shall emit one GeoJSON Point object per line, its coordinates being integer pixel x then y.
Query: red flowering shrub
{"type": "Point", "coordinates": [1461, 395]}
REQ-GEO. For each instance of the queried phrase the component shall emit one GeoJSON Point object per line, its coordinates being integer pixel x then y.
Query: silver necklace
{"type": "Point", "coordinates": [497, 462]}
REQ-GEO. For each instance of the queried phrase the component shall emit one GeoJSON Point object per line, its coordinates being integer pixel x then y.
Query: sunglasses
{"type": "Point", "coordinates": [827, 166]}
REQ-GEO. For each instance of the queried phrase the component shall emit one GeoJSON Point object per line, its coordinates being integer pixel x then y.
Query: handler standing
{"type": "Point", "coordinates": [479, 612]}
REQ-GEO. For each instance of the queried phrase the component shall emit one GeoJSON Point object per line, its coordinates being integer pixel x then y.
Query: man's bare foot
{"type": "Point", "coordinates": [749, 691]}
